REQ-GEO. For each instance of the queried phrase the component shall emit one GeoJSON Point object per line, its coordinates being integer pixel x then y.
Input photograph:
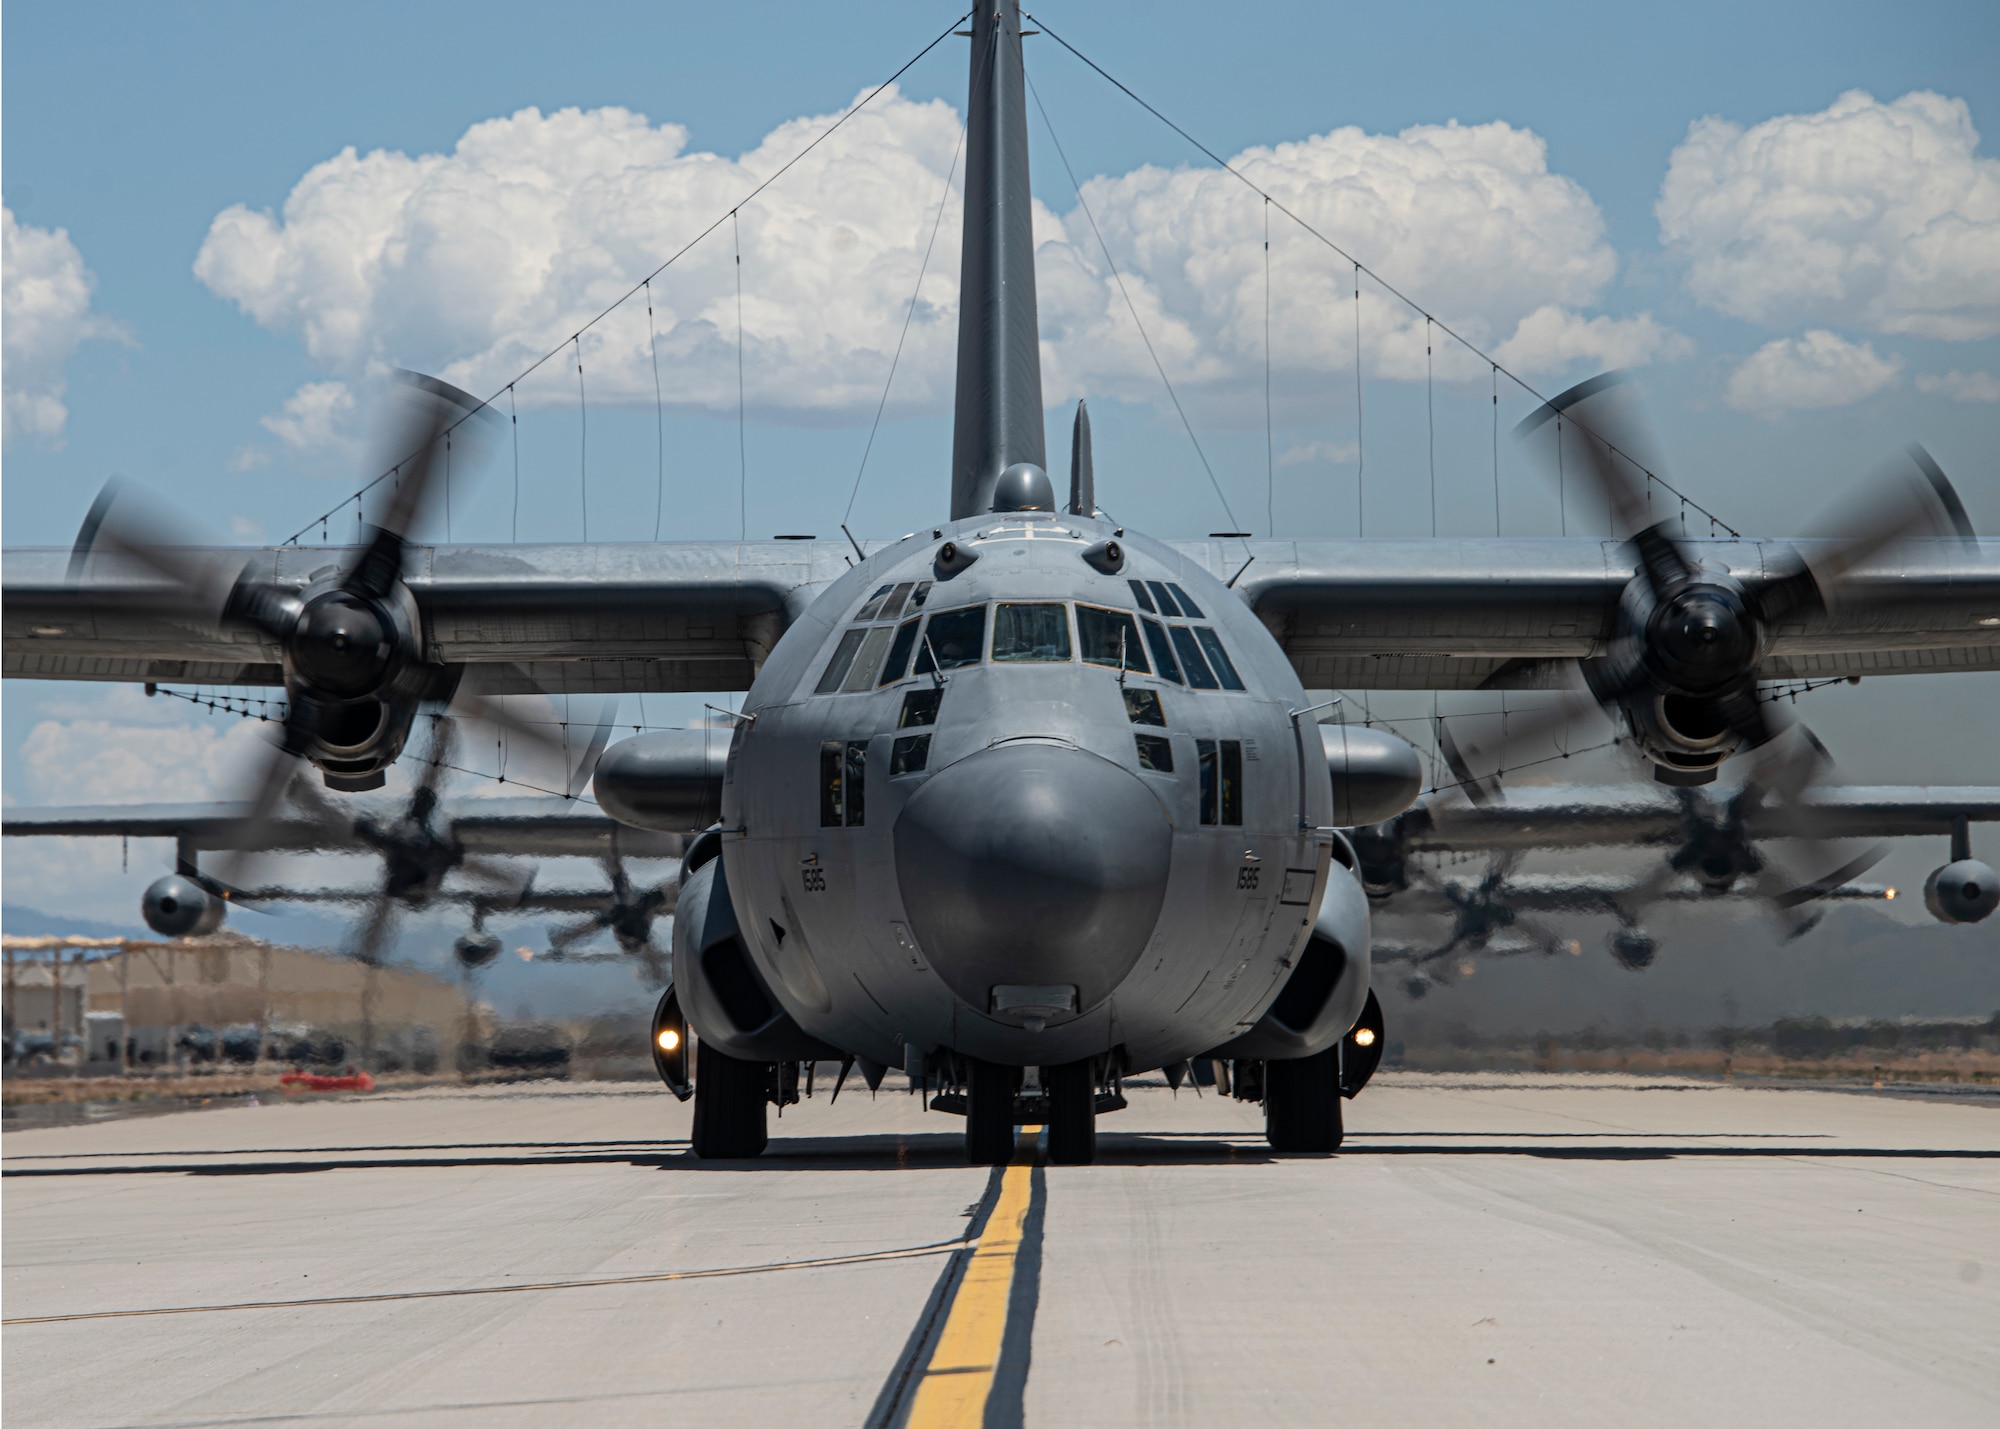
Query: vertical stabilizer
{"type": "Point", "coordinates": [1082, 480]}
{"type": "Point", "coordinates": [998, 416]}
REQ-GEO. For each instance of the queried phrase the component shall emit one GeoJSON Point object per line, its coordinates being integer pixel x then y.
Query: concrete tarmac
{"type": "Point", "coordinates": [1487, 1250]}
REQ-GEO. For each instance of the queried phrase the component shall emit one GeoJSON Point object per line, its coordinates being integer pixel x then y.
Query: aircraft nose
{"type": "Point", "coordinates": [1033, 865]}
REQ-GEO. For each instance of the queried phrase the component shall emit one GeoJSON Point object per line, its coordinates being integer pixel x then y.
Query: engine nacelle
{"type": "Point", "coordinates": [353, 663]}
{"type": "Point", "coordinates": [718, 985]}
{"type": "Point", "coordinates": [1962, 892]}
{"type": "Point", "coordinates": [671, 780]}
{"type": "Point", "coordinates": [1375, 774]}
{"type": "Point", "coordinates": [476, 949]}
{"type": "Point", "coordinates": [178, 907]}
{"type": "Point", "coordinates": [1327, 988]}
{"type": "Point", "coordinates": [1633, 949]}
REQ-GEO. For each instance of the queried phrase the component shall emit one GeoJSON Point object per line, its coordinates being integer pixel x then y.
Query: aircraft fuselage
{"type": "Point", "coordinates": [952, 820]}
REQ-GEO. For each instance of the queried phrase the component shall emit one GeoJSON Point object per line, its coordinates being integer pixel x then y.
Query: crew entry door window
{"type": "Point", "coordinates": [843, 774]}
{"type": "Point", "coordinates": [1221, 767]}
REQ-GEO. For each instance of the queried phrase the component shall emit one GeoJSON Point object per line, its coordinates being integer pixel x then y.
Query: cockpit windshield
{"type": "Point", "coordinates": [1030, 632]}
{"type": "Point", "coordinates": [952, 639]}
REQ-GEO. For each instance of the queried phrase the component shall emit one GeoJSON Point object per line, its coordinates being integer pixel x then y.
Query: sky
{"type": "Point", "coordinates": [225, 223]}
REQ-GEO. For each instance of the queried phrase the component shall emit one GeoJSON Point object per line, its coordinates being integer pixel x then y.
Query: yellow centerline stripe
{"type": "Point", "coordinates": [954, 1386]}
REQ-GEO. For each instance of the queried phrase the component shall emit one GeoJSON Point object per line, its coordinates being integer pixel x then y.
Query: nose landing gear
{"type": "Point", "coordinates": [994, 1105]}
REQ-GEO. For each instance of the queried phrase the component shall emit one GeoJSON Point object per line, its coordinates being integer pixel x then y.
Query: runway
{"type": "Point", "coordinates": [1486, 1250]}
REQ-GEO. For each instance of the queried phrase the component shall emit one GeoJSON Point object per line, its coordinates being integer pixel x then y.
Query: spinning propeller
{"type": "Point", "coordinates": [629, 916]}
{"type": "Point", "coordinates": [356, 667]}
{"type": "Point", "coordinates": [1682, 669]}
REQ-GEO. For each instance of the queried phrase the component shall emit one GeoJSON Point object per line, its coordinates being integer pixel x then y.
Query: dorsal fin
{"type": "Point", "coordinates": [1082, 480]}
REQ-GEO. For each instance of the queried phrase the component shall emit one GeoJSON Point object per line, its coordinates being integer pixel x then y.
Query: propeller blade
{"type": "Point", "coordinates": [417, 447]}
{"type": "Point", "coordinates": [373, 935]}
{"type": "Point", "coordinates": [1906, 502]}
{"type": "Point", "coordinates": [564, 935]}
{"type": "Point", "coordinates": [1599, 421]}
{"type": "Point", "coordinates": [1528, 737]}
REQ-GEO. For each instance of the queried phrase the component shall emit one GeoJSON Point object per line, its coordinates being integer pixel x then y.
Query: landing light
{"type": "Point", "coordinates": [1364, 1037]}
{"type": "Point", "coordinates": [1988, 620]}
{"type": "Point", "coordinates": [1889, 893]}
{"type": "Point", "coordinates": [670, 1040]}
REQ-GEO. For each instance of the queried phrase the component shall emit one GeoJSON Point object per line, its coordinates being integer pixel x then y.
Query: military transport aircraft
{"type": "Point", "coordinates": [1027, 788]}
{"type": "Point", "coordinates": [420, 847]}
{"type": "Point", "coordinates": [1714, 846]}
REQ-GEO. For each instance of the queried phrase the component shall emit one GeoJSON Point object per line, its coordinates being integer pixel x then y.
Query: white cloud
{"type": "Point", "coordinates": [115, 757]}
{"type": "Point", "coordinates": [1551, 339]}
{"type": "Point", "coordinates": [474, 263]}
{"type": "Point", "coordinates": [45, 304]}
{"type": "Point", "coordinates": [1816, 369]}
{"type": "Point", "coordinates": [1962, 386]}
{"type": "Point", "coordinates": [1866, 214]}
{"type": "Point", "coordinates": [1468, 219]}
{"type": "Point", "coordinates": [315, 417]}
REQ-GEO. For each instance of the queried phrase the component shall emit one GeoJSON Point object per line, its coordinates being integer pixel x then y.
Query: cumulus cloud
{"type": "Point", "coordinates": [1467, 218]}
{"type": "Point", "coordinates": [315, 417]}
{"type": "Point", "coordinates": [473, 264]}
{"type": "Point", "coordinates": [476, 262]}
{"type": "Point", "coordinates": [1962, 386]}
{"type": "Point", "coordinates": [125, 749]}
{"type": "Point", "coordinates": [1816, 369]}
{"type": "Point", "coordinates": [45, 302]}
{"type": "Point", "coordinates": [1866, 214]}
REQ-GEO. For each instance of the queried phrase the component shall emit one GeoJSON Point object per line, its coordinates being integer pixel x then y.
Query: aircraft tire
{"type": "Point", "coordinates": [1302, 1103]}
{"type": "Point", "coordinates": [989, 1113]}
{"type": "Point", "coordinates": [729, 1101]}
{"type": "Point", "coordinates": [1072, 1090]}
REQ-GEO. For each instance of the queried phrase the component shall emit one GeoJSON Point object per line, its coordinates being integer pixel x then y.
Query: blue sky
{"type": "Point", "coordinates": [131, 128]}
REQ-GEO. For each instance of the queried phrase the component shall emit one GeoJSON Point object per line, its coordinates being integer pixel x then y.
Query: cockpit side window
{"type": "Point", "coordinates": [868, 611]}
{"type": "Point", "coordinates": [920, 707]}
{"type": "Point", "coordinates": [1030, 632]}
{"type": "Point", "coordinates": [843, 656]}
{"type": "Point", "coordinates": [1163, 651]}
{"type": "Point", "coordinates": [1225, 668]}
{"type": "Point", "coordinates": [1188, 607]}
{"type": "Point", "coordinates": [1139, 594]}
{"type": "Point", "coordinates": [893, 606]}
{"type": "Point", "coordinates": [1143, 707]}
{"type": "Point", "coordinates": [899, 653]}
{"type": "Point", "coordinates": [862, 676]}
{"type": "Point", "coordinates": [1197, 668]}
{"type": "Point", "coordinates": [1107, 636]}
{"type": "Point", "coordinates": [954, 637]}
{"type": "Point", "coordinates": [1163, 597]}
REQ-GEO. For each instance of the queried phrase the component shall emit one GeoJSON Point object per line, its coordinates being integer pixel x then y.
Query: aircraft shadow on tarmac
{"type": "Point", "coordinates": [944, 1150]}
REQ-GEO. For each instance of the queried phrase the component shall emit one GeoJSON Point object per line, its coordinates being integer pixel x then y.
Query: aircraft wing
{"type": "Point", "coordinates": [1590, 894]}
{"type": "Point", "coordinates": [1648, 815]}
{"type": "Point", "coordinates": [524, 828]}
{"type": "Point", "coordinates": [1449, 614]}
{"type": "Point", "coordinates": [581, 619]}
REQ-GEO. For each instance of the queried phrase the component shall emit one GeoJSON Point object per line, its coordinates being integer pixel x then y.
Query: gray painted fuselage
{"type": "Point", "coordinates": [1192, 926]}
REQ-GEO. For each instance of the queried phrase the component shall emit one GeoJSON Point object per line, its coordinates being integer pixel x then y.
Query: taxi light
{"type": "Point", "coordinates": [670, 1040]}
{"type": "Point", "coordinates": [1364, 1037]}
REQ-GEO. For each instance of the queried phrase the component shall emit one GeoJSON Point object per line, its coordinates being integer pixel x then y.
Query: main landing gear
{"type": "Point", "coordinates": [729, 1101]}
{"type": "Point", "coordinates": [1302, 1103]}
